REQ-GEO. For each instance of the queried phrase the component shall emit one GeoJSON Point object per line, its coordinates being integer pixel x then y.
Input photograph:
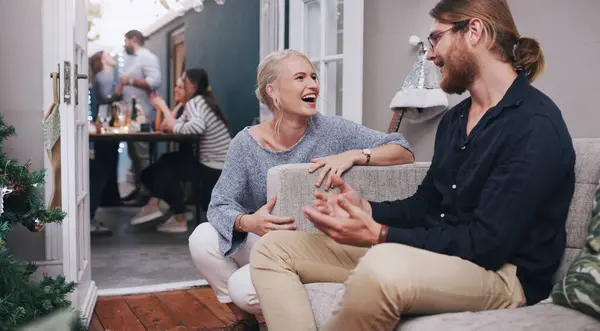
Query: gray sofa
{"type": "Point", "coordinates": [294, 187]}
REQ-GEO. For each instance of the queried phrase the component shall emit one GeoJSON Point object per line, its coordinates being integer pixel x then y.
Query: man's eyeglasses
{"type": "Point", "coordinates": [434, 38]}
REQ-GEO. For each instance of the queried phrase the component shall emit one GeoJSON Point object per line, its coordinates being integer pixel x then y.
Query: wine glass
{"type": "Point", "coordinates": [104, 115]}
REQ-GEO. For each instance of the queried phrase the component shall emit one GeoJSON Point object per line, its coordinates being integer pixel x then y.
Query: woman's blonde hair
{"type": "Point", "coordinates": [269, 72]}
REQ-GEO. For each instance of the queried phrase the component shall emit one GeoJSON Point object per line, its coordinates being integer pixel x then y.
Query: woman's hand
{"type": "Point", "coordinates": [334, 165]}
{"type": "Point", "coordinates": [262, 221]}
{"type": "Point", "coordinates": [158, 102]}
{"type": "Point", "coordinates": [168, 124]}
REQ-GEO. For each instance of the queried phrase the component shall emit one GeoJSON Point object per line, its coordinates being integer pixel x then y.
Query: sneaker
{"type": "Point", "coordinates": [100, 229]}
{"type": "Point", "coordinates": [172, 226]}
{"type": "Point", "coordinates": [147, 214]}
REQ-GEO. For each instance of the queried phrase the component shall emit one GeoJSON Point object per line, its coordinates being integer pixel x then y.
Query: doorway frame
{"type": "Point", "coordinates": [175, 37]}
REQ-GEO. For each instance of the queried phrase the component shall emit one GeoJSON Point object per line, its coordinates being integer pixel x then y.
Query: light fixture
{"type": "Point", "coordinates": [198, 5]}
{"type": "Point", "coordinates": [220, 2]}
{"type": "Point", "coordinates": [176, 7]}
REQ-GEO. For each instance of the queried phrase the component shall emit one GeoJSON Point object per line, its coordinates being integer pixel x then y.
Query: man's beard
{"type": "Point", "coordinates": [129, 50]}
{"type": "Point", "coordinates": [460, 69]}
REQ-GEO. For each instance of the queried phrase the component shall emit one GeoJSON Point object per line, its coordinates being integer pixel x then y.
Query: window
{"type": "Point", "coordinates": [336, 49]}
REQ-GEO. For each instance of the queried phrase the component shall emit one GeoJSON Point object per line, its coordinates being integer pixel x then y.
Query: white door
{"type": "Point", "coordinates": [330, 33]}
{"type": "Point", "coordinates": [65, 48]}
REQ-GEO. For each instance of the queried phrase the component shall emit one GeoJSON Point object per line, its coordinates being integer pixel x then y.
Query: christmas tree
{"type": "Point", "coordinates": [23, 300]}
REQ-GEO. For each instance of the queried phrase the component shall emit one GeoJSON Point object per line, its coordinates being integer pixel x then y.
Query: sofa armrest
{"type": "Point", "coordinates": [294, 186]}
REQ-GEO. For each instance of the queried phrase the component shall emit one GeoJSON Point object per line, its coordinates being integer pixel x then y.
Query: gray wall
{"type": "Point", "coordinates": [563, 29]}
{"type": "Point", "coordinates": [21, 100]}
{"type": "Point", "coordinates": [158, 43]}
{"type": "Point", "coordinates": [224, 40]}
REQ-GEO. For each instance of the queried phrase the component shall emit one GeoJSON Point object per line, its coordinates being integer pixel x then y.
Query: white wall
{"type": "Point", "coordinates": [21, 99]}
{"type": "Point", "coordinates": [566, 33]}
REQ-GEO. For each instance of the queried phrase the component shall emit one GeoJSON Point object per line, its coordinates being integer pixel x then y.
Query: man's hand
{"type": "Point", "coordinates": [346, 191]}
{"type": "Point", "coordinates": [345, 222]}
{"type": "Point", "coordinates": [124, 79]}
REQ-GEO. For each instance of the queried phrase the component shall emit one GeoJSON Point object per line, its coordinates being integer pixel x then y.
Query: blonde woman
{"type": "Point", "coordinates": [239, 211]}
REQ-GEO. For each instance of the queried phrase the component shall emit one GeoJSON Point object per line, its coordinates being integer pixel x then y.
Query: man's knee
{"type": "Point", "coordinates": [269, 246]}
{"type": "Point", "coordinates": [241, 290]}
{"type": "Point", "coordinates": [204, 243]}
{"type": "Point", "coordinates": [384, 267]}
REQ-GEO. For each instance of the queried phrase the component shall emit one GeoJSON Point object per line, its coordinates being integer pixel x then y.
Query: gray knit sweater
{"type": "Point", "coordinates": [242, 187]}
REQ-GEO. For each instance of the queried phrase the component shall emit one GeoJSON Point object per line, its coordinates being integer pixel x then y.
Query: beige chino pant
{"type": "Point", "coordinates": [381, 283]}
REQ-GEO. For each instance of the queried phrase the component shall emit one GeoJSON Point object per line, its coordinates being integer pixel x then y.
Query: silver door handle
{"type": "Point", "coordinates": [78, 76]}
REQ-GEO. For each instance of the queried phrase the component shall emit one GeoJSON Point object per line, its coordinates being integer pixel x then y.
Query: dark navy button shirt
{"type": "Point", "coordinates": [498, 195]}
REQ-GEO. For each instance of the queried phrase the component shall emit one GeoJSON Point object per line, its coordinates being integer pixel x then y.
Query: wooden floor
{"type": "Point", "coordinates": [194, 309]}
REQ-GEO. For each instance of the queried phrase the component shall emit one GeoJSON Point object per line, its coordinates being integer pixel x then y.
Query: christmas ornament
{"type": "Point", "coordinates": [3, 191]}
{"type": "Point", "coordinates": [37, 226]}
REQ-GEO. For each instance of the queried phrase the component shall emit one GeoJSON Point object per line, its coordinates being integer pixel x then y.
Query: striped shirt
{"type": "Point", "coordinates": [199, 118]}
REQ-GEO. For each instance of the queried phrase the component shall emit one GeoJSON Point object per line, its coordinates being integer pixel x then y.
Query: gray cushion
{"type": "Point", "coordinates": [324, 297]}
{"type": "Point", "coordinates": [294, 186]}
{"type": "Point", "coordinates": [540, 317]}
{"type": "Point", "coordinates": [587, 175]}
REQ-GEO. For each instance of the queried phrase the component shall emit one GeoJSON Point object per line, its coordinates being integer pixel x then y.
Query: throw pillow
{"type": "Point", "coordinates": [580, 287]}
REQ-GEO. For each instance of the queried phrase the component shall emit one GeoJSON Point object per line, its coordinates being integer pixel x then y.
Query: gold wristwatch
{"type": "Point", "coordinates": [367, 152]}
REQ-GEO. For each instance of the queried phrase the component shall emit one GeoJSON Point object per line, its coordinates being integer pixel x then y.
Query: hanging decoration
{"type": "Point", "coordinates": [198, 5]}
{"type": "Point", "coordinates": [420, 98]}
{"type": "Point", "coordinates": [3, 192]}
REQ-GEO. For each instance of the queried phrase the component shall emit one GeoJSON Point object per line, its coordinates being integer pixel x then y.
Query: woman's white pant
{"type": "Point", "coordinates": [229, 277]}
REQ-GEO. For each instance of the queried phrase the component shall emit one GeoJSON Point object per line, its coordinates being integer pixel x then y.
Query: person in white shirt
{"type": "Point", "coordinates": [140, 77]}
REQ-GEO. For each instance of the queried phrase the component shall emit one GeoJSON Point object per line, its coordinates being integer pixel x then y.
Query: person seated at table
{"type": "Point", "coordinates": [177, 111]}
{"type": "Point", "coordinates": [203, 117]}
{"type": "Point", "coordinates": [240, 210]}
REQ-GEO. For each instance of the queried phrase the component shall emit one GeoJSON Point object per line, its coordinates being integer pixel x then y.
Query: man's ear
{"type": "Point", "coordinates": [476, 31]}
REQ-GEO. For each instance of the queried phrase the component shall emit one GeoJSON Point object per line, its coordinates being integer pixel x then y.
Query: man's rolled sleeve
{"type": "Point", "coordinates": [152, 73]}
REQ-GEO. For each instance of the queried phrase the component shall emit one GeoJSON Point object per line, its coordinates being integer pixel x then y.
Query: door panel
{"type": "Point", "coordinates": [65, 50]}
{"type": "Point", "coordinates": [81, 157]}
{"type": "Point", "coordinates": [72, 53]}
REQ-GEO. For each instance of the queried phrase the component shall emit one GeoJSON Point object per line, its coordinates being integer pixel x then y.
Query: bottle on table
{"type": "Point", "coordinates": [133, 109]}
